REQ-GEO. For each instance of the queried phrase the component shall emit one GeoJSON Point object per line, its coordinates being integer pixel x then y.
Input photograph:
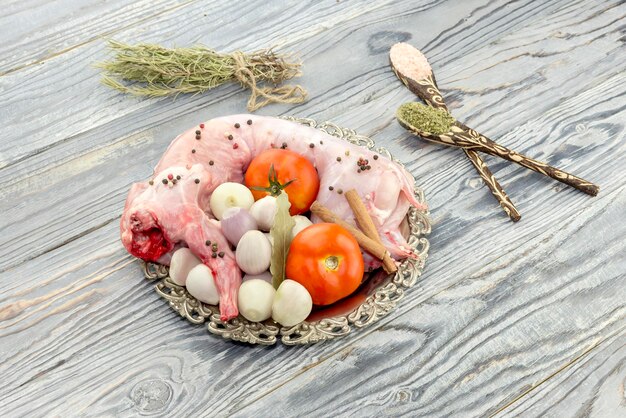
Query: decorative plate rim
{"type": "Point", "coordinates": [378, 304]}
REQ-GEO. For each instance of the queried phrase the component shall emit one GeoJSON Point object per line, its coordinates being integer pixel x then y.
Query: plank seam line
{"type": "Point", "coordinates": [92, 130]}
{"type": "Point", "coordinates": [92, 39]}
{"type": "Point", "coordinates": [564, 367]}
{"type": "Point", "coordinates": [61, 244]}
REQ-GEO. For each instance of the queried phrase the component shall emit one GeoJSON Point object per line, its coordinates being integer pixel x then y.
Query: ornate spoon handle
{"type": "Point", "coordinates": [492, 148]}
{"type": "Point", "coordinates": [490, 180]}
{"type": "Point", "coordinates": [427, 90]}
{"type": "Point", "coordinates": [470, 139]}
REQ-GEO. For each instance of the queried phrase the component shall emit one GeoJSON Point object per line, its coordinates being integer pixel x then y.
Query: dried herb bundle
{"type": "Point", "coordinates": [165, 71]}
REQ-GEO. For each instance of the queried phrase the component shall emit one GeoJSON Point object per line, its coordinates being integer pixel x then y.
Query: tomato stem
{"type": "Point", "coordinates": [274, 188]}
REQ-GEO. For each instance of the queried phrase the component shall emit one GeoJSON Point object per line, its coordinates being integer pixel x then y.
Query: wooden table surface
{"type": "Point", "coordinates": [508, 319]}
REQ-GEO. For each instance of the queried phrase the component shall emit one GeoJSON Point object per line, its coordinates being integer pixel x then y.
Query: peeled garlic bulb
{"type": "Point", "coordinates": [254, 253]}
{"type": "Point", "coordinates": [301, 223]}
{"type": "Point", "coordinates": [255, 300]}
{"type": "Point", "coordinates": [181, 264]}
{"type": "Point", "coordinates": [265, 276]}
{"type": "Point", "coordinates": [228, 195]}
{"type": "Point", "coordinates": [201, 285]}
{"type": "Point", "coordinates": [263, 211]}
{"type": "Point", "coordinates": [236, 222]}
{"type": "Point", "coordinates": [292, 304]}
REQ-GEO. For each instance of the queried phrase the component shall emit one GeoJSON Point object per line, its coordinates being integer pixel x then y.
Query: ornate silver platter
{"type": "Point", "coordinates": [377, 296]}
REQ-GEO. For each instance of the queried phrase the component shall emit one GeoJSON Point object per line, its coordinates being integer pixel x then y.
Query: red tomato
{"type": "Point", "coordinates": [277, 169]}
{"type": "Point", "coordinates": [326, 260]}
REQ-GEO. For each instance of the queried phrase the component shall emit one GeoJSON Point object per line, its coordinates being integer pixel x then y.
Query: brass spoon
{"type": "Point", "coordinates": [461, 136]}
{"type": "Point", "coordinates": [412, 68]}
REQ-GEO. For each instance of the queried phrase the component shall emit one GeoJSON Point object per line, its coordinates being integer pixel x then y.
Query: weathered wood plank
{"type": "Point", "coordinates": [75, 148]}
{"type": "Point", "coordinates": [40, 30]}
{"type": "Point", "coordinates": [71, 311]}
{"type": "Point", "coordinates": [475, 347]}
{"type": "Point", "coordinates": [592, 386]}
{"type": "Point", "coordinates": [71, 79]}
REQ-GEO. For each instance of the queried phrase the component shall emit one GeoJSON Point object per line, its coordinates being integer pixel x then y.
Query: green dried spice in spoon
{"type": "Point", "coordinates": [155, 71]}
{"type": "Point", "coordinates": [425, 118]}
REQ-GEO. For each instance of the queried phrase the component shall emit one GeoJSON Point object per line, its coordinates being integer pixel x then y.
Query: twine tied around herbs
{"type": "Point", "coordinates": [171, 71]}
{"type": "Point", "coordinates": [244, 73]}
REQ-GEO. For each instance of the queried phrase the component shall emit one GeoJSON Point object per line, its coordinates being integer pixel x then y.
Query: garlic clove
{"type": "Point", "coordinates": [183, 260]}
{"type": "Point", "coordinates": [201, 285]}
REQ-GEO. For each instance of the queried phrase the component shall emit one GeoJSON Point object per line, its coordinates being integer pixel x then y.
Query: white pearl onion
{"type": "Point", "coordinates": [255, 300]}
{"type": "Point", "coordinates": [183, 260]}
{"type": "Point", "coordinates": [254, 253]}
{"type": "Point", "coordinates": [201, 285]}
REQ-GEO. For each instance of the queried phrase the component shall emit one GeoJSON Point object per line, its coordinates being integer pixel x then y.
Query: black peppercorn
{"type": "Point", "coordinates": [207, 242]}
{"type": "Point", "coordinates": [164, 181]}
{"type": "Point", "coordinates": [220, 254]}
{"type": "Point", "coordinates": [249, 122]}
{"type": "Point", "coordinates": [211, 162]}
{"type": "Point", "coordinates": [237, 125]}
{"type": "Point", "coordinates": [197, 181]}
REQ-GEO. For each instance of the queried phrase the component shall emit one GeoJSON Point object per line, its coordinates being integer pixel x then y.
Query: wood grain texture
{"type": "Point", "coordinates": [591, 385]}
{"type": "Point", "coordinates": [525, 319]}
{"type": "Point", "coordinates": [40, 30]}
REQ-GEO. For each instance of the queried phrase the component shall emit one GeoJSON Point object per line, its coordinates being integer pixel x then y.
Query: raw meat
{"type": "Point", "coordinates": [172, 208]}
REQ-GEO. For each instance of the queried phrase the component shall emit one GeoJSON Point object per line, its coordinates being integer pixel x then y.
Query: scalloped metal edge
{"type": "Point", "coordinates": [375, 306]}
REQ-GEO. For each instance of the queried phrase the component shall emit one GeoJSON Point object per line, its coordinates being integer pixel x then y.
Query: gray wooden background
{"type": "Point", "coordinates": [508, 319]}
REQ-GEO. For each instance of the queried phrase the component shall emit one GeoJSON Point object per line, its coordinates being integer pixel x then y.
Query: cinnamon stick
{"type": "Point", "coordinates": [368, 244]}
{"type": "Point", "coordinates": [365, 222]}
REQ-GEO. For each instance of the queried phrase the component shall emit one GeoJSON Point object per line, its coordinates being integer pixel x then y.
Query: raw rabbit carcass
{"type": "Point", "coordinates": [172, 208]}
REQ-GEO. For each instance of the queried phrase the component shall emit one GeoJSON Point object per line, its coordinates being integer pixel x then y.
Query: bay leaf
{"type": "Point", "coordinates": [281, 234]}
